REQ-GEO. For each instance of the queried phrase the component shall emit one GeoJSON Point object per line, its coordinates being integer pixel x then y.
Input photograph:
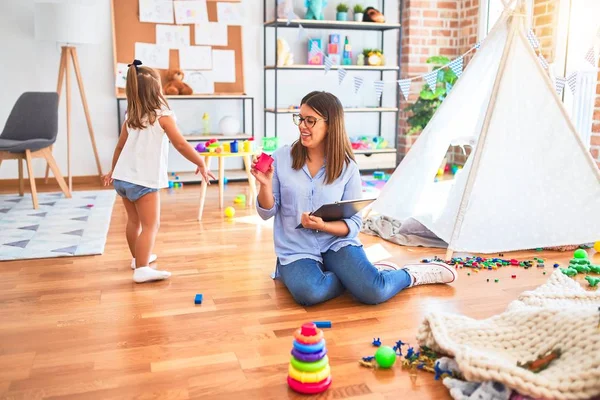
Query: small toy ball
{"type": "Point", "coordinates": [580, 253]}
{"type": "Point", "coordinates": [597, 246]}
{"type": "Point", "coordinates": [240, 199]}
{"type": "Point", "coordinates": [225, 180]}
{"type": "Point", "coordinates": [440, 172]}
{"type": "Point", "coordinates": [385, 357]}
{"type": "Point", "coordinates": [229, 212]}
{"type": "Point", "coordinates": [200, 148]}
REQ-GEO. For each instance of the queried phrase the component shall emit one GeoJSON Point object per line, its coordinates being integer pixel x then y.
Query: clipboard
{"type": "Point", "coordinates": [340, 210]}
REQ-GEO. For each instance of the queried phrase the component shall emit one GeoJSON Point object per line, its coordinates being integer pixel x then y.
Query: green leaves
{"type": "Point", "coordinates": [429, 100]}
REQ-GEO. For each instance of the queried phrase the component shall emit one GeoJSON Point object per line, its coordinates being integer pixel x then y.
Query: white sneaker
{"type": "Point", "coordinates": [386, 266]}
{"type": "Point", "coordinates": [153, 258]}
{"type": "Point", "coordinates": [147, 274]}
{"type": "Point", "coordinates": [433, 272]}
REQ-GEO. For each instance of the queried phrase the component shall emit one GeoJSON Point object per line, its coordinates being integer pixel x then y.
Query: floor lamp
{"type": "Point", "coordinates": [69, 22]}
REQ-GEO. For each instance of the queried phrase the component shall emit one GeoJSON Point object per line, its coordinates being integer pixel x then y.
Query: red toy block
{"type": "Point", "coordinates": [264, 163]}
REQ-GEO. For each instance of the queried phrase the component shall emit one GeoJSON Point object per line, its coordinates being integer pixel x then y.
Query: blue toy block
{"type": "Point", "coordinates": [323, 324]}
{"type": "Point", "coordinates": [198, 299]}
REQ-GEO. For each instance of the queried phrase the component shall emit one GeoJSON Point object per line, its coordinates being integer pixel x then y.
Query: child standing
{"type": "Point", "coordinates": [140, 164]}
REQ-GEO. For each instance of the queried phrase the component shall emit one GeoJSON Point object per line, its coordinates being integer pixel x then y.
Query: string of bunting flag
{"type": "Point", "coordinates": [455, 65]}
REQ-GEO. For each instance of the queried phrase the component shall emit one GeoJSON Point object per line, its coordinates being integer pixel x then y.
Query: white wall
{"type": "Point", "coordinates": [30, 65]}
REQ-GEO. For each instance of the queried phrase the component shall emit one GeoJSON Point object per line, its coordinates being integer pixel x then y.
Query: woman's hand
{"type": "Point", "coordinates": [264, 178]}
{"type": "Point", "coordinates": [205, 172]}
{"type": "Point", "coordinates": [107, 179]}
{"type": "Point", "coordinates": [311, 222]}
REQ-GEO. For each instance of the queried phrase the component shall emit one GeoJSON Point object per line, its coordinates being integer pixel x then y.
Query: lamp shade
{"type": "Point", "coordinates": [67, 21]}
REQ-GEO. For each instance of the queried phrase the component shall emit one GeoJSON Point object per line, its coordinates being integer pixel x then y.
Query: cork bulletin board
{"type": "Point", "coordinates": [127, 30]}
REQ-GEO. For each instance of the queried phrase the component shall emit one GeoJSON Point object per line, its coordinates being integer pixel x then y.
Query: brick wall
{"type": "Point", "coordinates": [545, 21]}
{"type": "Point", "coordinates": [429, 28]}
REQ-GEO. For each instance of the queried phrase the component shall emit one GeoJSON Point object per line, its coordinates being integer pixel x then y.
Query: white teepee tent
{"type": "Point", "coordinates": [529, 181]}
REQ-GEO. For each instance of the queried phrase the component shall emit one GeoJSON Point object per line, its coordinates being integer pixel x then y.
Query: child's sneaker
{"type": "Point", "coordinates": [433, 272]}
{"type": "Point", "coordinates": [153, 258]}
{"type": "Point", "coordinates": [386, 266]}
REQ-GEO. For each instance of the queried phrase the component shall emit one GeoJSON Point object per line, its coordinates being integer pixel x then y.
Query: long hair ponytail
{"type": "Point", "coordinates": [144, 96]}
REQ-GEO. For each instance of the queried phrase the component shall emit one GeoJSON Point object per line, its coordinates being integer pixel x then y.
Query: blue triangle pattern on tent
{"type": "Point", "coordinates": [379, 88]}
{"type": "Point", "coordinates": [559, 85]}
{"type": "Point", "coordinates": [431, 79]}
{"type": "Point", "coordinates": [457, 66]}
{"type": "Point", "coordinates": [572, 81]}
{"type": "Point", "coordinates": [358, 82]}
{"type": "Point", "coordinates": [405, 87]}
{"type": "Point", "coordinates": [341, 75]}
{"type": "Point", "coordinates": [328, 64]}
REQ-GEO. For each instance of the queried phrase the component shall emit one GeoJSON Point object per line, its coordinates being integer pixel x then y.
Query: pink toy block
{"type": "Point", "coordinates": [264, 162]}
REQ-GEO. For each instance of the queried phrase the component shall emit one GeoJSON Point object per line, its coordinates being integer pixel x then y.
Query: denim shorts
{"type": "Point", "coordinates": [131, 191]}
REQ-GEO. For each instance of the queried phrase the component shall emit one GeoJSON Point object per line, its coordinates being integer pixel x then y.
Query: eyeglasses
{"type": "Point", "coordinates": [309, 121]}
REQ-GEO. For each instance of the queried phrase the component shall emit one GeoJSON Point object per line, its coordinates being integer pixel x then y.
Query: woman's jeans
{"type": "Point", "coordinates": [311, 282]}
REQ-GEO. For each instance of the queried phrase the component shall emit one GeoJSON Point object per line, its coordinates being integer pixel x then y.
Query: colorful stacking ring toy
{"type": "Point", "coordinates": [308, 339]}
{"type": "Point", "coordinates": [310, 366]}
{"type": "Point", "coordinates": [310, 357]}
{"type": "Point", "coordinates": [309, 371]}
{"type": "Point", "coordinates": [309, 348]}
{"type": "Point", "coordinates": [309, 388]}
{"type": "Point", "coordinates": [309, 377]}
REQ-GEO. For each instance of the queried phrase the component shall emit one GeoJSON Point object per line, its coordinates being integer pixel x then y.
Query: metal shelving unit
{"type": "Point", "coordinates": [278, 23]}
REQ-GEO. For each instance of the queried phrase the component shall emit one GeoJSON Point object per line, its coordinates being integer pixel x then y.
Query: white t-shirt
{"type": "Point", "coordinates": [145, 155]}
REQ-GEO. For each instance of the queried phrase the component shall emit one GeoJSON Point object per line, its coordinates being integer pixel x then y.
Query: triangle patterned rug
{"type": "Point", "coordinates": [60, 227]}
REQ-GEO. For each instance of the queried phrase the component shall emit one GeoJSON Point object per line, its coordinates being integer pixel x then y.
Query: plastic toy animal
{"type": "Point", "coordinates": [315, 9]}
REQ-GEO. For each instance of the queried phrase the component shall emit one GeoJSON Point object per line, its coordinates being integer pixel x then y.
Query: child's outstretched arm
{"type": "Point", "coordinates": [184, 148]}
{"type": "Point", "coordinates": [107, 179]}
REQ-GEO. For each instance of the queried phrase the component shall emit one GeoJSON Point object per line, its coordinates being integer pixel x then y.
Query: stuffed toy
{"type": "Point", "coordinates": [373, 15]}
{"type": "Point", "coordinates": [315, 9]}
{"type": "Point", "coordinates": [174, 83]}
{"type": "Point", "coordinates": [284, 56]}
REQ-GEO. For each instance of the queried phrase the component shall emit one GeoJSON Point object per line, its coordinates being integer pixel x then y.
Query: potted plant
{"type": "Point", "coordinates": [358, 13]}
{"type": "Point", "coordinates": [429, 101]}
{"type": "Point", "coordinates": [374, 57]}
{"type": "Point", "coordinates": [342, 12]}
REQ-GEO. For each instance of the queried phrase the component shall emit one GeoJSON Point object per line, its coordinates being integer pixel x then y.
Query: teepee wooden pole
{"type": "Point", "coordinates": [482, 138]}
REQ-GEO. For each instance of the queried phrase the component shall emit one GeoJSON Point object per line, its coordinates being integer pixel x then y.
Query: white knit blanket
{"type": "Point", "coordinates": [559, 314]}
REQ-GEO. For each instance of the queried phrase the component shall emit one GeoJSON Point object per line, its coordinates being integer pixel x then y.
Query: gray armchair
{"type": "Point", "coordinates": [30, 132]}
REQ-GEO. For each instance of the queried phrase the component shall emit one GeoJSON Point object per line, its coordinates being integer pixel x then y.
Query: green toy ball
{"type": "Point", "coordinates": [385, 357]}
{"type": "Point", "coordinates": [580, 253]}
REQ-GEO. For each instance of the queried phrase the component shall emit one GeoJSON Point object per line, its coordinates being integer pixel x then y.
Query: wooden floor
{"type": "Point", "coordinates": [80, 328]}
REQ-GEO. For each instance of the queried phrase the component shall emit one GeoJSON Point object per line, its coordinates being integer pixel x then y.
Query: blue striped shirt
{"type": "Point", "coordinates": [295, 192]}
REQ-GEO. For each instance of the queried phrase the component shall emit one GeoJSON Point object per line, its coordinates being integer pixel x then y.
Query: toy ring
{"type": "Point", "coordinates": [308, 339]}
{"type": "Point", "coordinates": [309, 388]}
{"type": "Point", "coordinates": [308, 357]}
{"type": "Point", "coordinates": [309, 377]}
{"type": "Point", "coordinates": [310, 366]}
{"type": "Point", "coordinates": [309, 348]}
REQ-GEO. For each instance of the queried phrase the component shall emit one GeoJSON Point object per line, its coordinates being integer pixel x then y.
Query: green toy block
{"type": "Point", "coordinates": [580, 268]}
{"type": "Point", "coordinates": [595, 269]}
{"type": "Point", "coordinates": [593, 282]}
{"type": "Point", "coordinates": [569, 271]}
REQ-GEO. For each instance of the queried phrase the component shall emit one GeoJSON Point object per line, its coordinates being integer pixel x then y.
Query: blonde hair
{"type": "Point", "coordinates": [338, 149]}
{"type": "Point", "coordinates": [144, 96]}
